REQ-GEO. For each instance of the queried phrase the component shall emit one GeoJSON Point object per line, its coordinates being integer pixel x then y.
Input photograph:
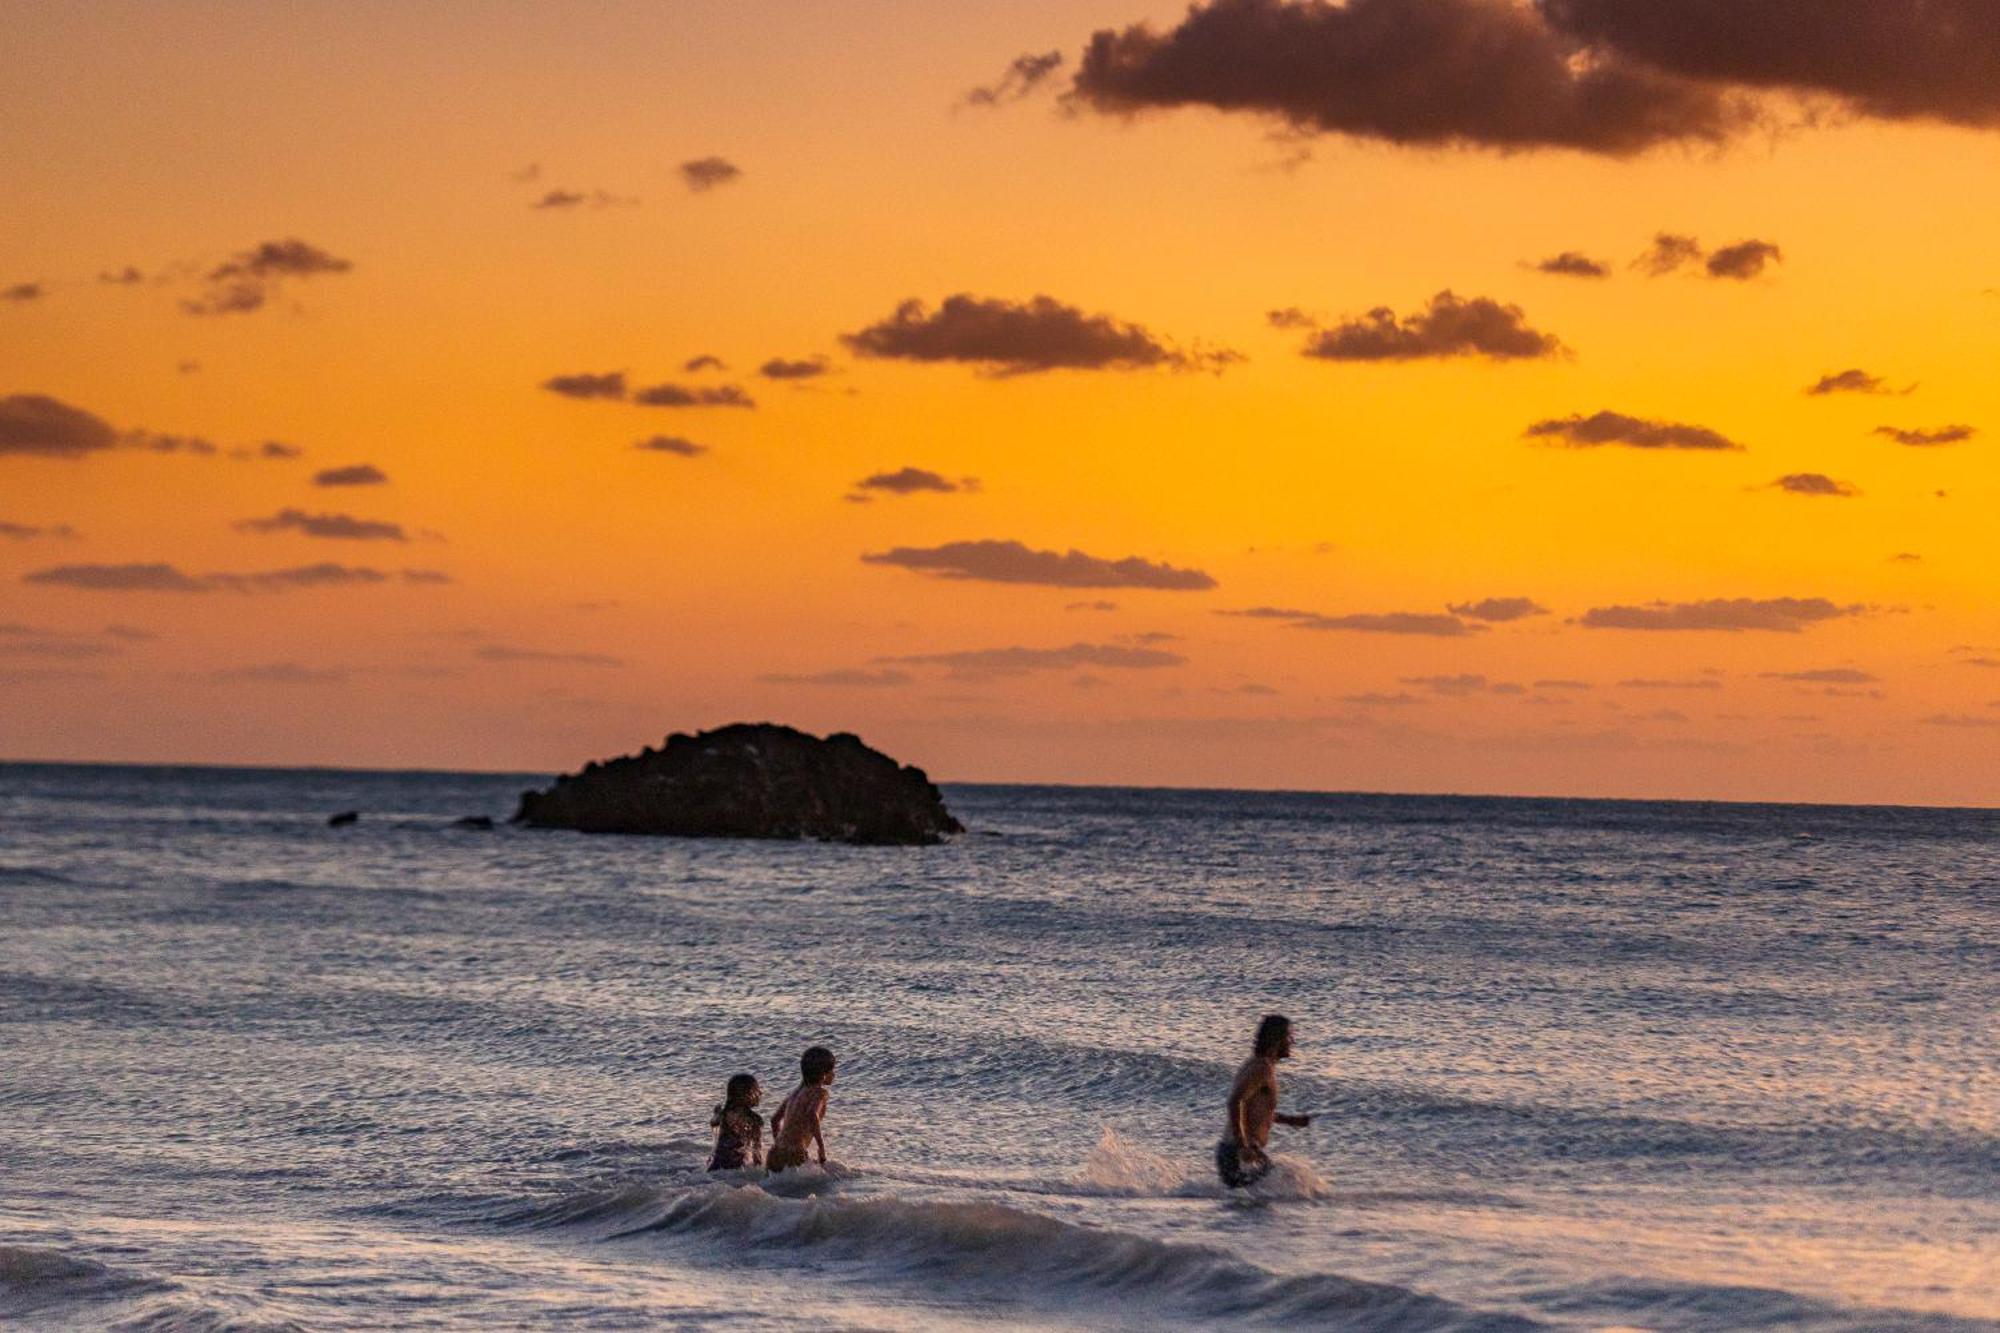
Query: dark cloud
{"type": "Point", "coordinates": [1668, 253]}
{"type": "Point", "coordinates": [33, 423]}
{"type": "Point", "coordinates": [1814, 484]}
{"type": "Point", "coordinates": [1925, 438]}
{"type": "Point", "coordinates": [1499, 610]}
{"type": "Point", "coordinates": [279, 673]}
{"type": "Point", "coordinates": [1743, 260]}
{"type": "Point", "coordinates": [1013, 562]}
{"type": "Point", "coordinates": [703, 362]}
{"type": "Point", "coordinates": [1425, 623]}
{"type": "Point", "coordinates": [680, 395]}
{"type": "Point", "coordinates": [1023, 75]}
{"type": "Point", "coordinates": [23, 291]}
{"type": "Point", "coordinates": [248, 281]}
{"type": "Point", "coordinates": [671, 444]}
{"type": "Point", "coordinates": [705, 173]}
{"type": "Point", "coordinates": [1889, 59]}
{"type": "Point", "coordinates": [910, 480]}
{"type": "Point", "coordinates": [1017, 661]}
{"type": "Point", "coordinates": [1450, 326]}
{"type": "Point", "coordinates": [22, 532]}
{"type": "Point", "coordinates": [357, 474]}
{"type": "Point", "coordinates": [1021, 338]}
{"type": "Point", "coordinates": [161, 577]}
{"type": "Point", "coordinates": [807, 368]}
{"type": "Point", "coordinates": [122, 277]}
{"type": "Point", "coordinates": [1477, 73]}
{"type": "Point", "coordinates": [557, 200]}
{"type": "Point", "coordinates": [1602, 428]}
{"type": "Point", "coordinates": [845, 677]}
{"type": "Point", "coordinates": [1573, 264]}
{"type": "Point", "coordinates": [171, 444]}
{"type": "Point", "coordinates": [336, 526]}
{"type": "Point", "coordinates": [1785, 615]}
{"type": "Point", "coordinates": [276, 451]}
{"type": "Point", "coordinates": [504, 652]}
{"type": "Point", "coordinates": [1850, 381]}
{"type": "Point", "coordinates": [1905, 558]}
{"type": "Point", "coordinates": [610, 384]}
{"type": "Point", "coordinates": [1825, 676]}
{"type": "Point", "coordinates": [1291, 317]}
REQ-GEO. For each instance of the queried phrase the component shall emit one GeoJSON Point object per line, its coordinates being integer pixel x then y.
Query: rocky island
{"type": "Point", "coordinates": [749, 780]}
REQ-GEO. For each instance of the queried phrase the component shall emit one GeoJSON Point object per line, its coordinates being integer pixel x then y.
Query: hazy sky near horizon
{"type": "Point", "coordinates": [1446, 395]}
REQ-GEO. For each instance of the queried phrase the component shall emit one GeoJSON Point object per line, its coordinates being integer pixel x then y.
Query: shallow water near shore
{"type": "Point", "coordinates": [1576, 1064]}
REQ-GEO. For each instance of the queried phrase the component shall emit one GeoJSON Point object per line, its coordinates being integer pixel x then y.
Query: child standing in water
{"type": "Point", "coordinates": [798, 1117]}
{"type": "Point", "coordinates": [739, 1130]}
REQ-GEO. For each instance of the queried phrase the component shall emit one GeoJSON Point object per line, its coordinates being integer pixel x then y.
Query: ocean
{"type": "Point", "coordinates": [1574, 1064]}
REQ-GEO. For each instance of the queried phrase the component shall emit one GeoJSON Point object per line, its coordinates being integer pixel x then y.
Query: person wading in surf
{"type": "Point", "coordinates": [1253, 1105]}
{"type": "Point", "coordinates": [797, 1121]}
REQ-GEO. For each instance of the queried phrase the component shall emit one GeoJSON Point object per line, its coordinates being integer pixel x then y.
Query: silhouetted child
{"type": "Point", "coordinates": [739, 1130]}
{"type": "Point", "coordinates": [798, 1117]}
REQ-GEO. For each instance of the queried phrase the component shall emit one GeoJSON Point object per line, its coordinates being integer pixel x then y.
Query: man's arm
{"type": "Point", "coordinates": [1239, 1107]}
{"type": "Point", "coordinates": [1295, 1121]}
{"type": "Point", "coordinates": [819, 1116]}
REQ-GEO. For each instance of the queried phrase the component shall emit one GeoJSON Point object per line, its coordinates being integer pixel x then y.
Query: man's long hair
{"type": "Point", "coordinates": [1271, 1033]}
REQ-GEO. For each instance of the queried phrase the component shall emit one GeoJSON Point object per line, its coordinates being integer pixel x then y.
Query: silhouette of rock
{"type": "Point", "coordinates": [344, 818]}
{"type": "Point", "coordinates": [474, 821]}
{"type": "Point", "coordinates": [749, 780]}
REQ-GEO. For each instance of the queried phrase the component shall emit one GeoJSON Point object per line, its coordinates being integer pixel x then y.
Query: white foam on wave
{"type": "Point", "coordinates": [1118, 1169]}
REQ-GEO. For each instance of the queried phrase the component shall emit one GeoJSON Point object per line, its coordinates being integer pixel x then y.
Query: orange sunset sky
{"type": "Point", "coordinates": [361, 401]}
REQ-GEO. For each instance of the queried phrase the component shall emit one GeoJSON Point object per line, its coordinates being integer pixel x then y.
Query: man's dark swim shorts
{"type": "Point", "coordinates": [1229, 1165]}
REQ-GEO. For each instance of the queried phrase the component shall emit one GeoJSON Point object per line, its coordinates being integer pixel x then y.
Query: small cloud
{"type": "Point", "coordinates": [38, 425]}
{"type": "Point", "coordinates": [703, 362]}
{"type": "Point", "coordinates": [909, 481]}
{"type": "Point", "coordinates": [503, 652]}
{"type": "Point", "coordinates": [1654, 683]}
{"type": "Point", "coordinates": [1006, 338]}
{"type": "Point", "coordinates": [162, 577]}
{"type": "Point", "coordinates": [1450, 326]}
{"type": "Point", "coordinates": [186, 367]}
{"type": "Point", "coordinates": [1925, 438]}
{"type": "Point", "coordinates": [1253, 687]}
{"type": "Point", "coordinates": [117, 578]}
{"type": "Point", "coordinates": [1291, 317]}
{"type": "Point", "coordinates": [610, 384]}
{"type": "Point", "coordinates": [431, 577]}
{"type": "Point", "coordinates": [1421, 623]}
{"type": "Point", "coordinates": [170, 444]}
{"type": "Point", "coordinates": [1825, 676]}
{"type": "Point", "coordinates": [1023, 75]}
{"type": "Point", "coordinates": [1573, 264]}
{"type": "Point", "coordinates": [247, 282]}
{"type": "Point", "coordinates": [777, 368]}
{"type": "Point", "coordinates": [1668, 253]}
{"type": "Point", "coordinates": [1499, 610]}
{"type": "Point", "coordinates": [1814, 484]}
{"type": "Point", "coordinates": [1961, 720]}
{"type": "Point", "coordinates": [122, 277]}
{"type": "Point", "coordinates": [566, 199]}
{"type": "Point", "coordinates": [1905, 558]}
{"type": "Point", "coordinates": [1450, 686]}
{"type": "Point", "coordinates": [703, 174]}
{"type": "Point", "coordinates": [1014, 562]}
{"type": "Point", "coordinates": [23, 291]}
{"type": "Point", "coordinates": [1092, 606]}
{"type": "Point", "coordinates": [270, 451]}
{"type": "Point", "coordinates": [844, 678]}
{"type": "Point", "coordinates": [1565, 685]}
{"type": "Point", "coordinates": [1744, 260]}
{"type": "Point", "coordinates": [22, 532]}
{"type": "Point", "coordinates": [1375, 699]}
{"type": "Point", "coordinates": [1671, 715]}
{"type": "Point", "coordinates": [335, 526]}
{"type": "Point", "coordinates": [1603, 428]}
{"type": "Point", "coordinates": [1784, 615]}
{"type": "Point", "coordinates": [130, 633]}
{"type": "Point", "coordinates": [527, 175]}
{"type": "Point", "coordinates": [679, 395]}
{"type": "Point", "coordinates": [280, 673]}
{"type": "Point", "coordinates": [671, 444]}
{"type": "Point", "coordinates": [356, 474]}
{"type": "Point", "coordinates": [1851, 381]}
{"type": "Point", "coordinates": [988, 662]}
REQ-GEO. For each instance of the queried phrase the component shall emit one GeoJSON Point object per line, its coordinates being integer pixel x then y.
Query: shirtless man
{"type": "Point", "coordinates": [797, 1119]}
{"type": "Point", "coordinates": [1253, 1104]}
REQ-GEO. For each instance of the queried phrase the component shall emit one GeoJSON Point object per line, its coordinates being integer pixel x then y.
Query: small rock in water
{"type": "Point", "coordinates": [473, 821]}
{"type": "Point", "coordinates": [344, 818]}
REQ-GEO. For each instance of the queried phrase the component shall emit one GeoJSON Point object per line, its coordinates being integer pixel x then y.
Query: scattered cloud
{"type": "Point", "coordinates": [1825, 676]}
{"type": "Point", "coordinates": [1851, 381]}
{"type": "Point", "coordinates": [703, 174]}
{"type": "Point", "coordinates": [987, 662]}
{"type": "Point", "coordinates": [1744, 260]}
{"type": "Point", "coordinates": [1452, 686]}
{"type": "Point", "coordinates": [1668, 253]}
{"type": "Point", "coordinates": [1098, 605]}
{"type": "Point", "coordinates": [1814, 484]}
{"type": "Point", "coordinates": [22, 532]}
{"type": "Point", "coordinates": [558, 200]}
{"type": "Point", "coordinates": [247, 282]}
{"type": "Point", "coordinates": [610, 384]}
{"type": "Point", "coordinates": [1654, 683]}
{"type": "Point", "coordinates": [1565, 685]}
{"type": "Point", "coordinates": [1962, 720]}
{"type": "Point", "coordinates": [38, 425]}
{"type": "Point", "coordinates": [1603, 428]}
{"type": "Point", "coordinates": [357, 474]}
{"type": "Point", "coordinates": [1785, 615]}
{"type": "Point", "coordinates": [1926, 438]}
{"type": "Point", "coordinates": [1573, 264]}
{"type": "Point", "coordinates": [807, 368]}
{"type": "Point", "coordinates": [129, 276]}
{"type": "Point", "coordinates": [270, 451]}
{"type": "Point", "coordinates": [18, 640]}
{"type": "Point", "coordinates": [335, 526]}
{"type": "Point", "coordinates": [1424, 623]}
{"type": "Point", "coordinates": [507, 652]}
{"type": "Point", "coordinates": [671, 444]}
{"type": "Point", "coordinates": [1007, 338]}
{"type": "Point", "coordinates": [1374, 69]}
{"type": "Point", "coordinates": [1013, 562]}
{"type": "Point", "coordinates": [859, 678]}
{"type": "Point", "coordinates": [280, 673]}
{"type": "Point", "coordinates": [1498, 610]}
{"type": "Point", "coordinates": [680, 395]}
{"type": "Point", "coordinates": [162, 577]}
{"type": "Point", "coordinates": [1023, 75]}
{"type": "Point", "coordinates": [1377, 699]}
{"type": "Point", "coordinates": [705, 361]}
{"type": "Point", "coordinates": [117, 578]}
{"type": "Point", "coordinates": [23, 291]}
{"type": "Point", "coordinates": [911, 480]}
{"type": "Point", "coordinates": [1450, 326]}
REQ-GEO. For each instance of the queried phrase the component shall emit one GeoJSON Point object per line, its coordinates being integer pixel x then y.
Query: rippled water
{"type": "Point", "coordinates": [1578, 1064]}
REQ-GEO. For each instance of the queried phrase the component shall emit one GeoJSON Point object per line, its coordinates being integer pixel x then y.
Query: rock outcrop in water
{"type": "Point", "coordinates": [749, 780]}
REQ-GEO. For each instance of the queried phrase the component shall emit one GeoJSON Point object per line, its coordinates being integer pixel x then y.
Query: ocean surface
{"type": "Point", "coordinates": [1603, 1065]}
